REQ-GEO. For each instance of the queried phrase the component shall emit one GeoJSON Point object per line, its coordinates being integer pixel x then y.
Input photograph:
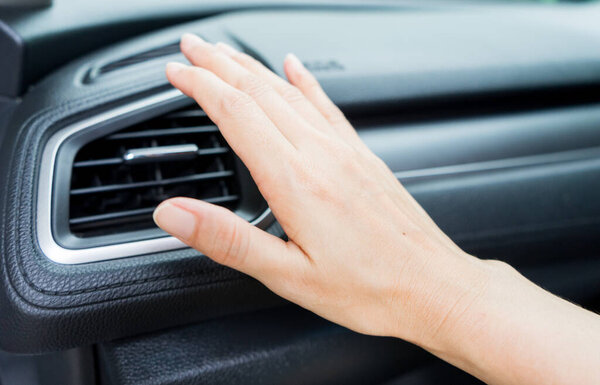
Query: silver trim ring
{"type": "Point", "coordinates": [59, 254]}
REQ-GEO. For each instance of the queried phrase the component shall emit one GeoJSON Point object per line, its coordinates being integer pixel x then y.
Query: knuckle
{"type": "Point", "coordinates": [253, 86]}
{"type": "Point", "coordinates": [235, 102]}
{"type": "Point", "coordinates": [230, 244]}
{"type": "Point", "coordinates": [334, 115]}
{"type": "Point", "coordinates": [292, 94]}
{"type": "Point", "coordinates": [317, 186]}
{"type": "Point", "coordinates": [349, 160]}
{"type": "Point", "coordinates": [301, 169]}
{"type": "Point", "coordinates": [311, 181]}
{"type": "Point", "coordinates": [245, 59]}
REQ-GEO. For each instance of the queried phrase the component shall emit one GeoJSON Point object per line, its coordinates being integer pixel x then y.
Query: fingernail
{"type": "Point", "coordinates": [226, 48]}
{"type": "Point", "coordinates": [295, 62]}
{"type": "Point", "coordinates": [175, 220]}
{"type": "Point", "coordinates": [173, 68]}
{"type": "Point", "coordinates": [190, 40]}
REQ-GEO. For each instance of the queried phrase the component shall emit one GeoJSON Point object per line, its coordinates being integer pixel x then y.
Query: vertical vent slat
{"type": "Point", "coordinates": [109, 195]}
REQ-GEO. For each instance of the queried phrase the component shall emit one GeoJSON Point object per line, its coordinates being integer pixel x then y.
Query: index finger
{"type": "Point", "coordinates": [249, 132]}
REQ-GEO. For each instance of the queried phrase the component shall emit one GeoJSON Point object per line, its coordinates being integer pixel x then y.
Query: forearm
{"type": "Point", "coordinates": [514, 332]}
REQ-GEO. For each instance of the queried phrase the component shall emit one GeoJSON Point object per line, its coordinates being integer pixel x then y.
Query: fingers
{"type": "Point", "coordinates": [227, 239]}
{"type": "Point", "coordinates": [249, 132]}
{"type": "Point", "coordinates": [300, 77]}
{"type": "Point", "coordinates": [291, 94]}
{"type": "Point", "coordinates": [205, 55]}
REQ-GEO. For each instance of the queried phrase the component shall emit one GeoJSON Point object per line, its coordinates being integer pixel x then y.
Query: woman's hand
{"type": "Point", "coordinates": [361, 251]}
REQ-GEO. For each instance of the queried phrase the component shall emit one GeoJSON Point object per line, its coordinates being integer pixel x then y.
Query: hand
{"type": "Point", "coordinates": [361, 251]}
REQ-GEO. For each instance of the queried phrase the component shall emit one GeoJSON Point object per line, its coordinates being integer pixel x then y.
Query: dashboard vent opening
{"type": "Point", "coordinates": [154, 53]}
{"type": "Point", "coordinates": [118, 180]}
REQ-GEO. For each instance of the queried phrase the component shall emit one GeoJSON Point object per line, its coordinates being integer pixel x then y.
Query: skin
{"type": "Point", "coordinates": [361, 251]}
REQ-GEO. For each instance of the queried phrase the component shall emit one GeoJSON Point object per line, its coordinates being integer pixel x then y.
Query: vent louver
{"type": "Point", "coordinates": [154, 53]}
{"type": "Point", "coordinates": [119, 179]}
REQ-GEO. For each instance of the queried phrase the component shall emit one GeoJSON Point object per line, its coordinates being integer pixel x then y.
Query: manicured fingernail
{"type": "Point", "coordinates": [190, 40]}
{"type": "Point", "coordinates": [226, 48]}
{"type": "Point", "coordinates": [295, 62]}
{"type": "Point", "coordinates": [175, 220]}
{"type": "Point", "coordinates": [173, 69]}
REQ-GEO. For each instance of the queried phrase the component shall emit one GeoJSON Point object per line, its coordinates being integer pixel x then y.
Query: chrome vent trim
{"type": "Point", "coordinates": [45, 237]}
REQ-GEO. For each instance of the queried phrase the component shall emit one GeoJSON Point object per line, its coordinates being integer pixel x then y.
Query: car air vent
{"type": "Point", "coordinates": [154, 53]}
{"type": "Point", "coordinates": [118, 180]}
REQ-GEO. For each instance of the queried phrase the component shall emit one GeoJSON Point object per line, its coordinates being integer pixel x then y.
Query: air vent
{"type": "Point", "coordinates": [118, 180]}
{"type": "Point", "coordinates": [154, 53]}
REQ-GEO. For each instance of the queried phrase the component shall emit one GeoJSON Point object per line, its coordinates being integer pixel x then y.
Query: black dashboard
{"type": "Point", "coordinates": [489, 114]}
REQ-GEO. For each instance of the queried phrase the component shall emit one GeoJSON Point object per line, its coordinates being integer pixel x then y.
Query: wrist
{"type": "Point", "coordinates": [471, 311]}
{"type": "Point", "coordinates": [453, 300]}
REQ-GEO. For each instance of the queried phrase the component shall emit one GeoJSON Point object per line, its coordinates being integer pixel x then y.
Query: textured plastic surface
{"type": "Point", "coordinates": [287, 346]}
{"type": "Point", "coordinates": [46, 306]}
{"type": "Point", "coordinates": [69, 367]}
{"type": "Point", "coordinates": [291, 346]}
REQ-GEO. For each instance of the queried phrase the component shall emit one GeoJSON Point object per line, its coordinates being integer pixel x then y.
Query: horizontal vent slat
{"type": "Point", "coordinates": [108, 216]}
{"type": "Point", "coordinates": [98, 162]}
{"type": "Point", "coordinates": [163, 132]}
{"type": "Point", "coordinates": [110, 193]}
{"type": "Point", "coordinates": [138, 212]}
{"type": "Point", "coordinates": [190, 113]}
{"type": "Point", "coordinates": [152, 183]}
{"type": "Point", "coordinates": [117, 161]}
{"type": "Point", "coordinates": [213, 151]}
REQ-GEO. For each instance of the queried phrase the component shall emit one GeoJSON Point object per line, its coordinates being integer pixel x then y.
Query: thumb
{"type": "Point", "coordinates": [225, 237]}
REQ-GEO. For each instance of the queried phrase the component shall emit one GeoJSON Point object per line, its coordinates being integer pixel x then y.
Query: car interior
{"type": "Point", "coordinates": [488, 112]}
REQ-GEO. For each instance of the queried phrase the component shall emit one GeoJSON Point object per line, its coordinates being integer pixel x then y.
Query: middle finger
{"type": "Point", "coordinates": [293, 126]}
{"type": "Point", "coordinates": [288, 92]}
